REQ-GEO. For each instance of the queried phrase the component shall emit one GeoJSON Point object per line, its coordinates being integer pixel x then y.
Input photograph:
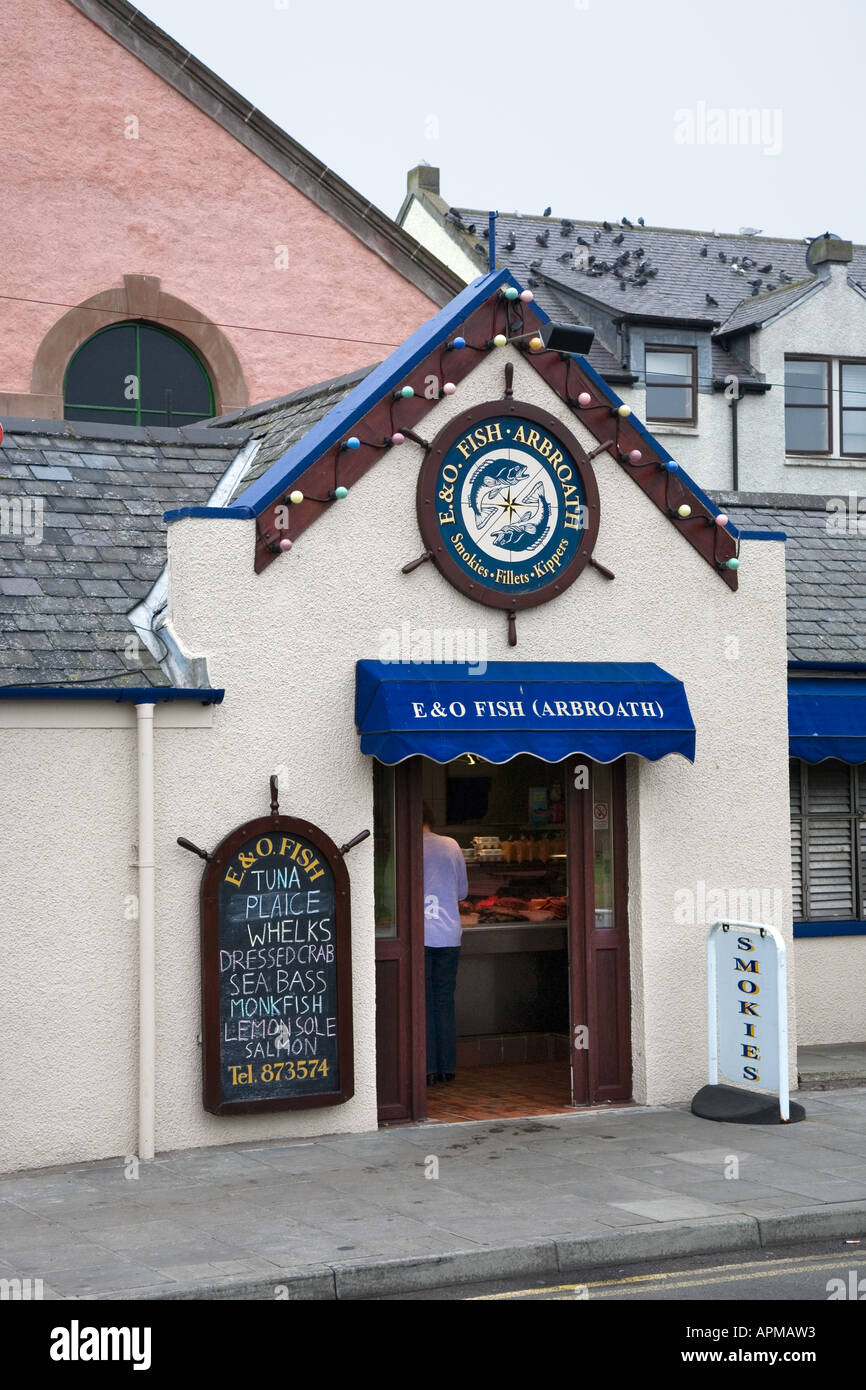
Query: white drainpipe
{"type": "Point", "coordinates": [146, 936]}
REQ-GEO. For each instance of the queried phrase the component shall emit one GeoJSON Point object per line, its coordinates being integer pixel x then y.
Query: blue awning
{"type": "Point", "coordinates": [549, 709]}
{"type": "Point", "coordinates": [827, 719]}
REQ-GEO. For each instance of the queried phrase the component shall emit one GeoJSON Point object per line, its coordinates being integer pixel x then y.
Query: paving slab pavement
{"type": "Point", "coordinates": [361, 1216]}
{"type": "Point", "coordinates": [829, 1066]}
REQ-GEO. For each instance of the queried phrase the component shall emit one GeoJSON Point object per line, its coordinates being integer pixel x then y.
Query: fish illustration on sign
{"type": "Point", "coordinates": [531, 524]}
{"type": "Point", "coordinates": [490, 484]}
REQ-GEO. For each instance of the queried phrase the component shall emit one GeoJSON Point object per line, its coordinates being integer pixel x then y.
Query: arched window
{"type": "Point", "coordinates": [136, 374]}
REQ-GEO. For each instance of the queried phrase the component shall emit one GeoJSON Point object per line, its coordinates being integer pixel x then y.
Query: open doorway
{"type": "Point", "coordinates": [512, 993]}
{"type": "Point", "coordinates": [542, 996]}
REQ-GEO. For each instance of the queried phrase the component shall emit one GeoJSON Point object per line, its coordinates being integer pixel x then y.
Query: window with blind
{"type": "Point", "coordinates": [828, 841]}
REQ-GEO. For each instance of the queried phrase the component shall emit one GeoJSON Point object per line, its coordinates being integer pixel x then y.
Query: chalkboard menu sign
{"type": "Point", "coordinates": [276, 970]}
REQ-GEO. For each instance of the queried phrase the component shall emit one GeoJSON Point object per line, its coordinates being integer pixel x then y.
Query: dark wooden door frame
{"type": "Point", "coordinates": [410, 822]}
{"type": "Point", "coordinates": [581, 909]}
{"type": "Point", "coordinates": [587, 942]}
{"type": "Point", "coordinates": [406, 950]}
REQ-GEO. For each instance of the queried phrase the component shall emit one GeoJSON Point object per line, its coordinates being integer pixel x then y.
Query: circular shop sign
{"type": "Point", "coordinates": [508, 505]}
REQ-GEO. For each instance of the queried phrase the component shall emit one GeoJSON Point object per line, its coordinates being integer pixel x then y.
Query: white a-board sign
{"type": "Point", "coordinates": [747, 1008]}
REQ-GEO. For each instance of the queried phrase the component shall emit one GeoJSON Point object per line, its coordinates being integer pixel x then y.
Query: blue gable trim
{"type": "Point", "coordinates": [236, 513]}
{"type": "Point", "coordinates": [385, 378]}
{"type": "Point", "coordinates": [758, 535]}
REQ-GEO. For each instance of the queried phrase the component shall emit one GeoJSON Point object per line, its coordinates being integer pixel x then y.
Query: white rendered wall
{"type": "Point", "coordinates": [830, 323]}
{"type": "Point", "coordinates": [831, 1000]}
{"type": "Point", "coordinates": [68, 885]}
{"type": "Point", "coordinates": [704, 450]}
{"type": "Point", "coordinates": [68, 987]}
{"type": "Point", "coordinates": [285, 644]}
{"type": "Point", "coordinates": [420, 224]}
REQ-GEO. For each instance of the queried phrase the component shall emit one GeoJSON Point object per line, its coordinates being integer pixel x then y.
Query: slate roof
{"type": "Point", "coordinates": [279, 423]}
{"type": "Point", "coordinates": [64, 601]}
{"type": "Point", "coordinates": [725, 363]}
{"type": "Point", "coordinates": [684, 277]}
{"type": "Point", "coordinates": [563, 308]}
{"type": "Point", "coordinates": [759, 308]}
{"type": "Point", "coordinates": [826, 573]}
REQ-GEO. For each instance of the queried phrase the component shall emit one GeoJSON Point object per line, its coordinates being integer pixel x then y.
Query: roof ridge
{"type": "Point", "coordinates": [200, 432]}
{"type": "Point", "coordinates": [245, 413]}
{"type": "Point", "coordinates": [710, 235]}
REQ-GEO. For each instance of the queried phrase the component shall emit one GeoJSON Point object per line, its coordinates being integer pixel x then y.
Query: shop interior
{"type": "Point", "coordinates": [511, 1000]}
{"type": "Point", "coordinates": [512, 994]}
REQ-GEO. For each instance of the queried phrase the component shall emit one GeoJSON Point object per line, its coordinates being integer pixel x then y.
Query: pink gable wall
{"type": "Point", "coordinates": [82, 205]}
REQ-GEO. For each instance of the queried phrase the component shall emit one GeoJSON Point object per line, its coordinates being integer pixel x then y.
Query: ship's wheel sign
{"type": "Point", "coordinates": [508, 505]}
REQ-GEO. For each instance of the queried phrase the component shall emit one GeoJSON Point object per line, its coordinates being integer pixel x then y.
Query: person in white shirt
{"type": "Point", "coordinates": [445, 883]}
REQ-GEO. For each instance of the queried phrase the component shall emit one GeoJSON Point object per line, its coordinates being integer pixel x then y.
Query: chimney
{"type": "Point", "coordinates": [828, 250]}
{"type": "Point", "coordinates": [424, 178]}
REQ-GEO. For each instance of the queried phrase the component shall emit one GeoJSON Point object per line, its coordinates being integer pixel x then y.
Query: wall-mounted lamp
{"type": "Point", "coordinates": [558, 337]}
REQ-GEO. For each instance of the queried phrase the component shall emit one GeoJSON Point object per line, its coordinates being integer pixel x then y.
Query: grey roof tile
{"type": "Point", "coordinates": [760, 307]}
{"type": "Point", "coordinates": [826, 575]}
{"type": "Point", "coordinates": [684, 277]}
{"type": "Point", "coordinates": [51, 473]}
{"type": "Point", "coordinates": [20, 587]}
{"type": "Point", "coordinates": [64, 603]}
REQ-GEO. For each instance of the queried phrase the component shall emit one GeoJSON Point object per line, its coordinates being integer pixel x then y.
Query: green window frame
{"type": "Point", "coordinates": [121, 391]}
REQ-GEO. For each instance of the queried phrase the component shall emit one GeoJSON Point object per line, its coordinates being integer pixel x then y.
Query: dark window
{"type": "Point", "coordinates": [136, 374]}
{"type": "Point", "coordinates": [828, 841]}
{"type": "Point", "coordinates": [807, 406]}
{"type": "Point", "coordinates": [852, 385]}
{"type": "Point", "coordinates": [671, 384]}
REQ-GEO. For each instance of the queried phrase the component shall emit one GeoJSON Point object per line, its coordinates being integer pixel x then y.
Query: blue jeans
{"type": "Point", "coordinates": [440, 973]}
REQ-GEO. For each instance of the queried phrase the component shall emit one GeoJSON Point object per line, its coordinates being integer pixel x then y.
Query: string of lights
{"type": "Point", "coordinates": [377, 342]}
{"type": "Point", "coordinates": [240, 327]}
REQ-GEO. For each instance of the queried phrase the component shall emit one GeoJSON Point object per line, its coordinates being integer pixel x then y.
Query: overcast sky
{"type": "Point", "coordinates": [600, 108]}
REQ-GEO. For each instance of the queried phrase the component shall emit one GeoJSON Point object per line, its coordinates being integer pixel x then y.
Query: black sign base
{"type": "Point", "coordinates": [736, 1107]}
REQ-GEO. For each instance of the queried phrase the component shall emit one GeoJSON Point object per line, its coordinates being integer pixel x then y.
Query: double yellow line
{"type": "Point", "coordinates": [691, 1279]}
